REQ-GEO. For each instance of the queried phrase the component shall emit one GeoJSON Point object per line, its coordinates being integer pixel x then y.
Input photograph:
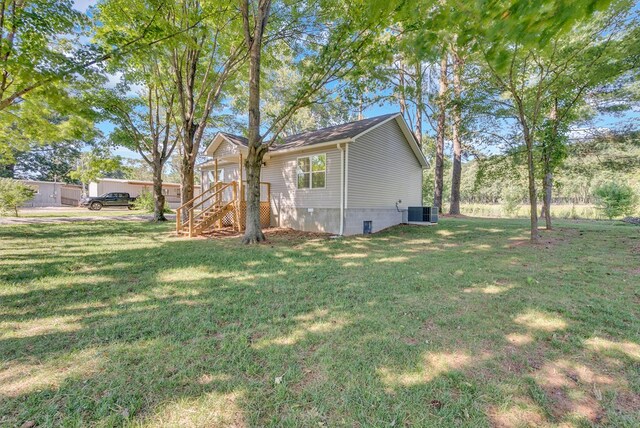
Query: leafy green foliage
{"type": "Point", "coordinates": [511, 198]}
{"type": "Point", "coordinates": [40, 102]}
{"type": "Point", "coordinates": [50, 162]}
{"type": "Point", "coordinates": [616, 200]}
{"type": "Point", "coordinates": [94, 165]}
{"type": "Point", "coordinates": [145, 202]}
{"type": "Point", "coordinates": [13, 194]}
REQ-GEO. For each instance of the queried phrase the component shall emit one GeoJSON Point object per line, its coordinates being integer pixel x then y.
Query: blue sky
{"type": "Point", "coordinates": [604, 121]}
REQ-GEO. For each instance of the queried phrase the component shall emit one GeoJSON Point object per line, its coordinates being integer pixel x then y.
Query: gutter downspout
{"type": "Point", "coordinates": [342, 174]}
{"type": "Point", "coordinates": [346, 176]}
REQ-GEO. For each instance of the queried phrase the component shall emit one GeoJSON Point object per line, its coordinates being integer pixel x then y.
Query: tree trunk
{"type": "Point", "coordinates": [547, 186]}
{"type": "Point", "coordinates": [533, 201]}
{"type": "Point", "coordinates": [439, 168]}
{"type": "Point", "coordinates": [456, 175]}
{"type": "Point", "coordinates": [419, 103]}
{"type": "Point", "coordinates": [547, 158]}
{"type": "Point", "coordinates": [253, 230]}
{"type": "Point", "coordinates": [186, 179]}
{"type": "Point", "coordinates": [403, 99]}
{"type": "Point", "coordinates": [158, 197]}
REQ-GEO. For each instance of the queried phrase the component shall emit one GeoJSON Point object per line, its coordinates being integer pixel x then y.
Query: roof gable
{"type": "Point", "coordinates": [343, 132]}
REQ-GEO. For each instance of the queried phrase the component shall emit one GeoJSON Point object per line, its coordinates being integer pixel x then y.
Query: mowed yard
{"type": "Point", "coordinates": [462, 324]}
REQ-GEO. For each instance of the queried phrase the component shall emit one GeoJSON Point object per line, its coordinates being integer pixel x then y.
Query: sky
{"type": "Point", "coordinates": [604, 121]}
{"type": "Point", "coordinates": [82, 5]}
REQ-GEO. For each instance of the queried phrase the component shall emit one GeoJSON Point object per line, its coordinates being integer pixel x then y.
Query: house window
{"type": "Point", "coordinates": [312, 171]}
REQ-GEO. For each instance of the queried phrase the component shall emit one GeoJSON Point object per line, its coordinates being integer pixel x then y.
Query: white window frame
{"type": "Point", "coordinates": [311, 187]}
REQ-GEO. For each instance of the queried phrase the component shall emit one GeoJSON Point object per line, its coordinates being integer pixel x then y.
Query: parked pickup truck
{"type": "Point", "coordinates": [108, 200]}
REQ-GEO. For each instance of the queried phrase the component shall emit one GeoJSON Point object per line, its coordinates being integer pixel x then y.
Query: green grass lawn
{"type": "Point", "coordinates": [462, 324]}
{"type": "Point", "coordinates": [76, 212]}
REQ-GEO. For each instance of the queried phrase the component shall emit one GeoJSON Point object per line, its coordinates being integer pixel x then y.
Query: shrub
{"type": "Point", "coordinates": [616, 200]}
{"type": "Point", "coordinates": [510, 198]}
{"type": "Point", "coordinates": [13, 194]}
{"type": "Point", "coordinates": [145, 202]}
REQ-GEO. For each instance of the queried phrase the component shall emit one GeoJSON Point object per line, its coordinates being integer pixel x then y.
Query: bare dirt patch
{"type": "Point", "coordinates": [574, 389]}
{"type": "Point", "coordinates": [628, 402]}
{"type": "Point", "coordinates": [272, 234]}
{"type": "Point", "coordinates": [521, 413]}
{"type": "Point", "coordinates": [547, 239]}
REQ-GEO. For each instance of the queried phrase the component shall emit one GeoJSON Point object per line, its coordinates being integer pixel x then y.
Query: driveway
{"type": "Point", "coordinates": [73, 215]}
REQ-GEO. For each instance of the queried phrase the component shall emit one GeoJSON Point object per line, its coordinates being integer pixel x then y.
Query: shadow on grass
{"type": "Point", "coordinates": [108, 323]}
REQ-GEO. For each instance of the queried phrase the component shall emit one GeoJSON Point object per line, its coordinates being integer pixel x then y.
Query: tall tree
{"type": "Point", "coordinates": [517, 66]}
{"type": "Point", "coordinates": [145, 124]}
{"type": "Point", "coordinates": [192, 49]}
{"type": "Point", "coordinates": [598, 52]}
{"type": "Point", "coordinates": [440, 132]}
{"type": "Point", "coordinates": [51, 162]}
{"type": "Point", "coordinates": [254, 27]}
{"type": "Point", "coordinates": [337, 36]}
{"type": "Point", "coordinates": [456, 133]}
{"type": "Point", "coordinates": [204, 59]}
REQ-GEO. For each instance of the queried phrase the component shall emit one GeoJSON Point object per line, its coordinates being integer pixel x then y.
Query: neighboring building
{"type": "Point", "coordinates": [71, 194]}
{"type": "Point", "coordinates": [341, 180]}
{"type": "Point", "coordinates": [48, 193]}
{"type": "Point", "coordinates": [136, 187]}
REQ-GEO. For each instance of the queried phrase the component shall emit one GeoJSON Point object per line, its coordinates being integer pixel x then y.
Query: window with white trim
{"type": "Point", "coordinates": [312, 171]}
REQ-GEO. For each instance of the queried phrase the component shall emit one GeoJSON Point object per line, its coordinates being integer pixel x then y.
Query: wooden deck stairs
{"type": "Point", "coordinates": [221, 205]}
{"type": "Point", "coordinates": [208, 209]}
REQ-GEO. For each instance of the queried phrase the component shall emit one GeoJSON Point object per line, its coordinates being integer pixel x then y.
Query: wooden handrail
{"type": "Point", "coordinates": [199, 196]}
{"type": "Point", "coordinates": [181, 207]}
{"type": "Point", "coordinates": [219, 191]}
{"type": "Point", "coordinates": [214, 192]}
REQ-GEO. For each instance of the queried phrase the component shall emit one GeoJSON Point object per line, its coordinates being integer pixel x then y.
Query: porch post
{"type": "Point", "coordinates": [216, 186]}
{"type": "Point", "coordinates": [241, 202]}
{"type": "Point", "coordinates": [240, 178]}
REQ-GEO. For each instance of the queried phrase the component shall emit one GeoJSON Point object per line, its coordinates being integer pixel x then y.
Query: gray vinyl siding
{"type": "Point", "coordinates": [280, 171]}
{"type": "Point", "coordinates": [224, 149]}
{"type": "Point", "coordinates": [383, 169]}
{"type": "Point", "coordinates": [230, 172]}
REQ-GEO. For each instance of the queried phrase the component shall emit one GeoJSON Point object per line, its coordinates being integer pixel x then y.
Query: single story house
{"type": "Point", "coordinates": [136, 187]}
{"type": "Point", "coordinates": [347, 179]}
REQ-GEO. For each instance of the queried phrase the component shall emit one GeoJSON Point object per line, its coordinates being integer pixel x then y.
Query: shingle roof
{"type": "Point", "coordinates": [332, 133]}
{"type": "Point", "coordinates": [236, 139]}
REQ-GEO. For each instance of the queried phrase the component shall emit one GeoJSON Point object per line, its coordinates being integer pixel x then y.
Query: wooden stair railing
{"type": "Point", "coordinates": [188, 203]}
{"type": "Point", "coordinates": [196, 221]}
